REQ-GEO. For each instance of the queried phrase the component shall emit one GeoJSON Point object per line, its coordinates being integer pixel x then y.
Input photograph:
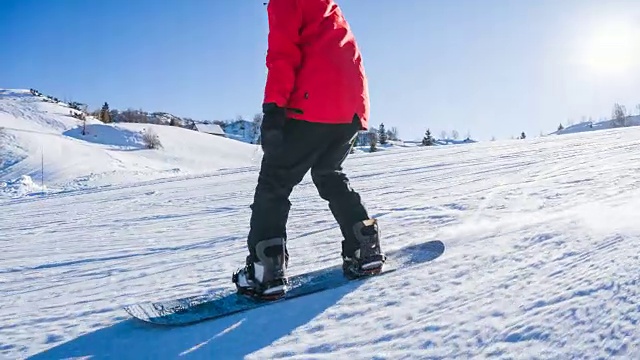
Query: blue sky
{"type": "Point", "coordinates": [491, 67]}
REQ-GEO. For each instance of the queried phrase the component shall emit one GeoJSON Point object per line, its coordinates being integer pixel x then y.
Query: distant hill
{"type": "Point", "coordinates": [37, 130]}
{"type": "Point", "coordinates": [601, 125]}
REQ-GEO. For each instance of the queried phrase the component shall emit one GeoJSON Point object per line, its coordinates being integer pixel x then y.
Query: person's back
{"type": "Point", "coordinates": [312, 39]}
{"type": "Point", "coordinates": [316, 101]}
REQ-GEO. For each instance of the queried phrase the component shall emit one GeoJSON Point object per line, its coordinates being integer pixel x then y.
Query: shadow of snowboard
{"type": "Point", "coordinates": [231, 337]}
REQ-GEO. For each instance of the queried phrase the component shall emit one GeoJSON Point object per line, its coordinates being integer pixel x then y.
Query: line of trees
{"type": "Point", "coordinates": [619, 117]}
{"type": "Point", "coordinates": [251, 129]}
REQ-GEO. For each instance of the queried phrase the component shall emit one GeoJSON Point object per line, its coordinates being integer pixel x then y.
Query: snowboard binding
{"type": "Point", "coordinates": [368, 259]}
{"type": "Point", "coordinates": [264, 278]}
{"type": "Point", "coordinates": [270, 291]}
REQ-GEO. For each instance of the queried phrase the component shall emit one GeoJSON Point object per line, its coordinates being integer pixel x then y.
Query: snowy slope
{"type": "Point", "coordinates": [601, 125]}
{"type": "Point", "coordinates": [541, 260]}
{"type": "Point", "coordinates": [36, 132]}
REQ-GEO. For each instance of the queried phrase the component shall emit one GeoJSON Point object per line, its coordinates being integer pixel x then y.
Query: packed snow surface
{"type": "Point", "coordinates": [541, 260]}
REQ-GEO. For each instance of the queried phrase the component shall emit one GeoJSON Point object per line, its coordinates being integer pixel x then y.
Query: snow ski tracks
{"type": "Point", "coordinates": [249, 171]}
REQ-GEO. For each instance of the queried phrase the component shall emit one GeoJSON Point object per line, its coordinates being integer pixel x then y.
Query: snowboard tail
{"type": "Point", "coordinates": [193, 309]}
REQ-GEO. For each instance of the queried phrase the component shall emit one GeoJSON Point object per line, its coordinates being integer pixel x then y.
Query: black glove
{"type": "Point", "coordinates": [272, 127]}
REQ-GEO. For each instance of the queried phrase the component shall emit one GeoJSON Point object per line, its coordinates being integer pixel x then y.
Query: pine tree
{"type": "Point", "coordinates": [523, 136]}
{"type": "Point", "coordinates": [560, 127]}
{"type": "Point", "coordinates": [382, 135]}
{"type": "Point", "coordinates": [427, 140]}
{"type": "Point", "coordinates": [393, 134]}
{"type": "Point", "coordinates": [105, 115]}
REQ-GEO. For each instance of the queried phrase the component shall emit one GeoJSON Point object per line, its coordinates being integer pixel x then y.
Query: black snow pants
{"type": "Point", "coordinates": [321, 148]}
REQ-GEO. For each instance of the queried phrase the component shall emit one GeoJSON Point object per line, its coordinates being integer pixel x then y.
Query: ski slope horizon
{"type": "Point", "coordinates": [540, 260]}
{"type": "Point", "coordinates": [43, 150]}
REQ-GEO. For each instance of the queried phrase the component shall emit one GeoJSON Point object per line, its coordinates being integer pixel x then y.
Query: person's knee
{"type": "Point", "coordinates": [320, 180]}
{"type": "Point", "coordinates": [330, 185]}
{"type": "Point", "coordinates": [274, 188]}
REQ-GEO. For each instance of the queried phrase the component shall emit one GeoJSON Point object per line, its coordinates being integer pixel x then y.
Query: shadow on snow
{"type": "Point", "coordinates": [231, 337]}
{"type": "Point", "coordinates": [234, 336]}
{"type": "Point", "coordinates": [108, 135]}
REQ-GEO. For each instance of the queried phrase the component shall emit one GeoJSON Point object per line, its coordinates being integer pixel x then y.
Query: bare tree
{"type": "Point", "coordinates": [134, 116]}
{"type": "Point", "coordinates": [257, 119]}
{"type": "Point", "coordinates": [455, 135]}
{"type": "Point", "coordinates": [443, 134]}
{"type": "Point", "coordinates": [638, 109]}
{"type": "Point", "coordinates": [393, 134]}
{"type": "Point", "coordinates": [493, 138]}
{"type": "Point", "coordinates": [619, 115]}
{"type": "Point", "coordinates": [257, 122]}
{"type": "Point", "coordinates": [84, 125]}
{"type": "Point", "coordinates": [151, 140]}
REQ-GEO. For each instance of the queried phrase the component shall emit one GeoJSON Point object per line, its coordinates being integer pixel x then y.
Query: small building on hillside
{"type": "Point", "coordinates": [213, 129]}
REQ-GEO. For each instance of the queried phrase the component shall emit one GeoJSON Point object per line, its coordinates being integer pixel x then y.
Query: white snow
{"type": "Point", "coordinates": [541, 257]}
{"type": "Point", "coordinates": [22, 187]}
{"type": "Point", "coordinates": [35, 134]}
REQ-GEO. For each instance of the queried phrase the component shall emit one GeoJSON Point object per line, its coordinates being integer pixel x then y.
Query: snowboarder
{"type": "Point", "coordinates": [315, 102]}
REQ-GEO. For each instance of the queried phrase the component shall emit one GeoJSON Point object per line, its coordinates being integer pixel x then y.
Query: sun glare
{"type": "Point", "coordinates": [613, 48]}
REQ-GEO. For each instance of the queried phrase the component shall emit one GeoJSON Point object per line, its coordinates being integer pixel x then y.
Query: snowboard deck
{"type": "Point", "coordinates": [194, 309]}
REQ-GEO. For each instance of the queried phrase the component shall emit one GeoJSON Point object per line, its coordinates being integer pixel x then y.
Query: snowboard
{"type": "Point", "coordinates": [194, 309]}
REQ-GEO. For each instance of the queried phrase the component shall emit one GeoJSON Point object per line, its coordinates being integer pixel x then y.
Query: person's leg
{"type": "Point", "coordinates": [270, 207]}
{"type": "Point", "coordinates": [279, 173]}
{"type": "Point", "coordinates": [344, 202]}
{"type": "Point", "coordinates": [265, 272]}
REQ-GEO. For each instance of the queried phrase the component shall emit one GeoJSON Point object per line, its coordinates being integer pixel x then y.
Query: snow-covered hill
{"type": "Point", "coordinates": [541, 260]}
{"type": "Point", "coordinates": [595, 126]}
{"type": "Point", "coordinates": [35, 132]}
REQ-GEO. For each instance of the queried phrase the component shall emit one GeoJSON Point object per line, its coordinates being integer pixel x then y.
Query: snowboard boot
{"type": "Point", "coordinates": [264, 279]}
{"type": "Point", "coordinates": [368, 259]}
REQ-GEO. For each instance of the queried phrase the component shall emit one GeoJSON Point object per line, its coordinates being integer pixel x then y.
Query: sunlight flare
{"type": "Point", "coordinates": [613, 48]}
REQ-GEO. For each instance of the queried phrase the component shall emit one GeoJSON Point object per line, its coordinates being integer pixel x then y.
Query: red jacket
{"type": "Point", "coordinates": [314, 64]}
